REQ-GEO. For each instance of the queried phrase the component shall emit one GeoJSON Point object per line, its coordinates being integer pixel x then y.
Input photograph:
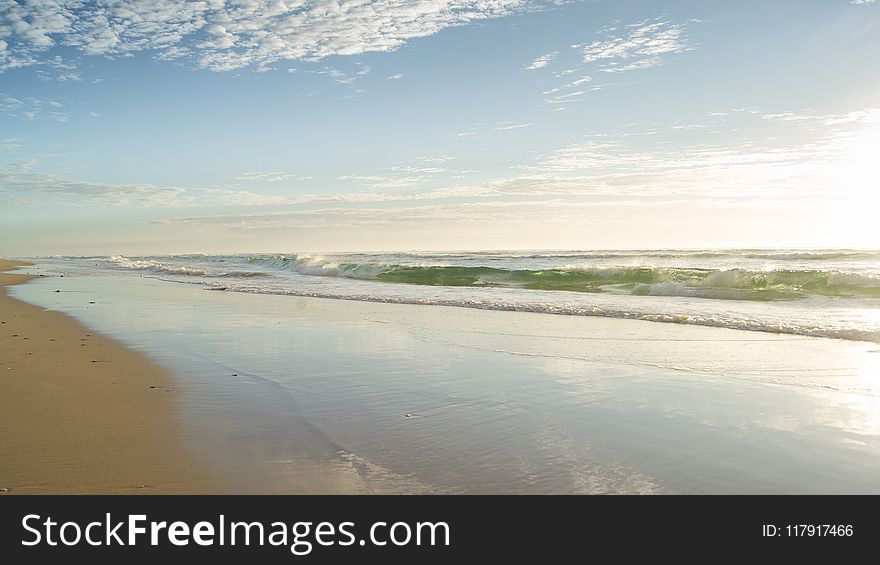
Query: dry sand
{"type": "Point", "coordinates": [80, 413]}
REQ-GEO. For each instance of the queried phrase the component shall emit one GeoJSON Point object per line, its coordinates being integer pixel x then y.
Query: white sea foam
{"type": "Point", "coordinates": [773, 291]}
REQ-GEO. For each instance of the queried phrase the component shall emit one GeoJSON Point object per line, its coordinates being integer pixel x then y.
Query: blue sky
{"type": "Point", "coordinates": [161, 127]}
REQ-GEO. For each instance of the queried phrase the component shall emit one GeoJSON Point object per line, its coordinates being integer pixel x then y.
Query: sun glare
{"type": "Point", "coordinates": [856, 180]}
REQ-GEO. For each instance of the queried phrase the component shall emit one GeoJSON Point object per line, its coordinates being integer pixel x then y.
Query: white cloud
{"type": "Point", "coordinates": [484, 130]}
{"type": "Point", "coordinates": [508, 126]}
{"type": "Point", "coordinates": [541, 61]}
{"type": "Point", "coordinates": [417, 216]}
{"type": "Point", "coordinates": [10, 144]}
{"type": "Point", "coordinates": [577, 82]}
{"type": "Point", "coordinates": [345, 78]}
{"type": "Point", "coordinates": [830, 161]}
{"type": "Point", "coordinates": [229, 197]}
{"type": "Point", "coordinates": [787, 117]}
{"type": "Point", "coordinates": [863, 116]}
{"type": "Point", "coordinates": [810, 158]}
{"type": "Point", "coordinates": [10, 104]}
{"type": "Point", "coordinates": [624, 48]}
{"type": "Point", "coordinates": [64, 77]}
{"type": "Point", "coordinates": [576, 96]}
{"type": "Point", "coordinates": [861, 1]}
{"type": "Point", "coordinates": [568, 85]}
{"type": "Point", "coordinates": [222, 36]}
{"type": "Point", "coordinates": [570, 95]}
{"type": "Point", "coordinates": [30, 108]}
{"type": "Point", "coordinates": [687, 127]}
{"type": "Point", "coordinates": [417, 170]}
{"type": "Point", "coordinates": [621, 166]}
{"type": "Point", "coordinates": [337, 75]}
{"type": "Point", "coordinates": [19, 184]}
{"type": "Point", "coordinates": [383, 182]}
{"type": "Point", "coordinates": [615, 67]}
{"type": "Point", "coordinates": [268, 176]}
{"type": "Point", "coordinates": [435, 159]}
{"type": "Point", "coordinates": [398, 76]}
{"type": "Point", "coordinates": [641, 46]}
{"type": "Point", "coordinates": [60, 70]}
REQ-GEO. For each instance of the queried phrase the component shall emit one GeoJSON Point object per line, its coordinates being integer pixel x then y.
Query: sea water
{"type": "Point", "coordinates": [825, 293]}
{"type": "Point", "coordinates": [285, 392]}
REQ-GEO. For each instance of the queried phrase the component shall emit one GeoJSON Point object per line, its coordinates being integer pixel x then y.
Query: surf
{"type": "Point", "coordinates": [818, 293]}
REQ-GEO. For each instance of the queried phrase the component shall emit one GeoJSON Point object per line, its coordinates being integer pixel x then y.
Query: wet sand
{"type": "Point", "coordinates": [284, 394]}
{"type": "Point", "coordinates": [80, 413]}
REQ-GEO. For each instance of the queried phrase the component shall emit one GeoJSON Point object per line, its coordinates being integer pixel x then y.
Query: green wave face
{"type": "Point", "coordinates": [550, 279]}
{"type": "Point", "coordinates": [701, 283]}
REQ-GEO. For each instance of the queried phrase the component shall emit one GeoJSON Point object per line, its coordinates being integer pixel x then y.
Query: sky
{"type": "Point", "coordinates": [158, 126]}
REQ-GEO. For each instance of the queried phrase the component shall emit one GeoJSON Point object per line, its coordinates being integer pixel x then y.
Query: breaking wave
{"type": "Point", "coordinates": [832, 293]}
{"type": "Point", "coordinates": [736, 284]}
{"type": "Point", "coordinates": [707, 283]}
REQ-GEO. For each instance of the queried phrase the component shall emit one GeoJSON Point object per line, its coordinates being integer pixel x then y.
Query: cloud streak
{"type": "Point", "coordinates": [826, 156]}
{"type": "Point", "coordinates": [541, 61]}
{"type": "Point", "coordinates": [30, 108]}
{"type": "Point", "coordinates": [19, 184]}
{"type": "Point", "coordinates": [268, 176]}
{"type": "Point", "coordinates": [637, 46]}
{"type": "Point", "coordinates": [622, 49]}
{"type": "Point", "coordinates": [828, 163]}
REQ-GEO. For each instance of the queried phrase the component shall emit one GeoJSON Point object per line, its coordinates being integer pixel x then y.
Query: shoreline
{"type": "Point", "coordinates": [81, 413]}
{"type": "Point", "coordinates": [281, 394]}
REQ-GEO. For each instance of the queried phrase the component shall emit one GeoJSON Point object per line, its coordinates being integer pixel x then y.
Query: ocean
{"type": "Point", "coordinates": [504, 372]}
{"type": "Point", "coordinates": [823, 293]}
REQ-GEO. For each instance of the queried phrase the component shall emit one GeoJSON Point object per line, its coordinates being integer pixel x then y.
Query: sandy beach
{"type": "Point", "coordinates": [80, 413]}
{"type": "Point", "coordinates": [288, 394]}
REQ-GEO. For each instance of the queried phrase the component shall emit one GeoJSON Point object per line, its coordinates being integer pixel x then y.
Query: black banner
{"type": "Point", "coordinates": [432, 529]}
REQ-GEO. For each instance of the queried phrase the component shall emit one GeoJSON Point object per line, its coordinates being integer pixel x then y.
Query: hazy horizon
{"type": "Point", "coordinates": [473, 251]}
{"type": "Point", "coordinates": [204, 127]}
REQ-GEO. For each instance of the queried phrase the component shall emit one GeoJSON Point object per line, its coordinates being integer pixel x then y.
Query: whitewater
{"type": "Point", "coordinates": [824, 293]}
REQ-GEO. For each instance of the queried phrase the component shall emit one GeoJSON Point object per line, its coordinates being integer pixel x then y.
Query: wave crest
{"type": "Point", "coordinates": [154, 266]}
